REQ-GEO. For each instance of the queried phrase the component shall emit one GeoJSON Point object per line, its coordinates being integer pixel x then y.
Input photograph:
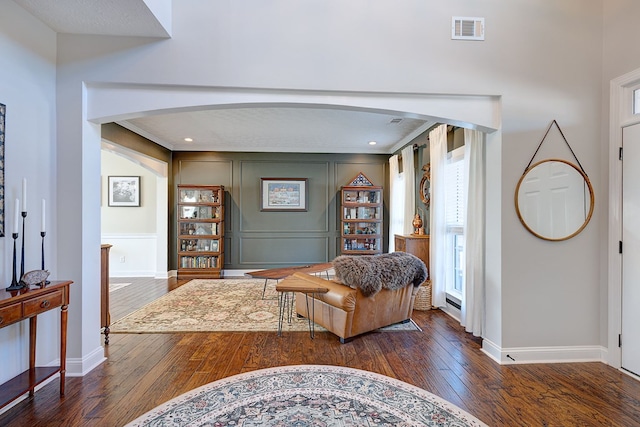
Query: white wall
{"type": "Point", "coordinates": [27, 88]}
{"type": "Point", "coordinates": [538, 57]}
{"type": "Point", "coordinates": [544, 59]}
{"type": "Point", "coordinates": [131, 230]}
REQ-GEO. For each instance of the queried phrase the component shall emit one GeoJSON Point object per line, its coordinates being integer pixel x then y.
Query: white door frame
{"type": "Point", "coordinates": [620, 116]}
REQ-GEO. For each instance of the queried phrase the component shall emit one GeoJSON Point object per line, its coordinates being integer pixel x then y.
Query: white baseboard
{"type": "Point", "coordinates": [522, 355]}
{"type": "Point", "coordinates": [161, 275]}
{"type": "Point", "coordinates": [227, 274]}
{"type": "Point", "coordinates": [75, 368]}
{"type": "Point", "coordinates": [80, 367]}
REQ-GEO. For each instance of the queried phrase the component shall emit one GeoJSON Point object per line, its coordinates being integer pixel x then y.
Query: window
{"type": "Point", "coordinates": [636, 101]}
{"type": "Point", "coordinates": [454, 213]}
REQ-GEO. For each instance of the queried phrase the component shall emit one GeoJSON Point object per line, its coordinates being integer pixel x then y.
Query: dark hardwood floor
{"type": "Point", "coordinates": [145, 370]}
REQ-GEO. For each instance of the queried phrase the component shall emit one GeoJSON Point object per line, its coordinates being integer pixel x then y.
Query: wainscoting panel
{"type": "Point", "coordinates": [283, 251]}
{"type": "Point", "coordinates": [130, 255]}
{"type": "Point", "coordinates": [315, 219]}
{"type": "Point", "coordinates": [256, 239]}
{"type": "Point", "coordinates": [346, 171]}
{"type": "Point", "coordinates": [206, 172]}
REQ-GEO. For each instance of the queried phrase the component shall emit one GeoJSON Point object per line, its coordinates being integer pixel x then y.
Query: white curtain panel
{"type": "Point", "coordinates": [437, 240]}
{"type": "Point", "coordinates": [396, 208]}
{"type": "Point", "coordinates": [409, 174]}
{"type": "Point", "coordinates": [473, 302]}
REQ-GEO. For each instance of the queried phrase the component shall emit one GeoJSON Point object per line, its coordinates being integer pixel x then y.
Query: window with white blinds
{"type": "Point", "coordinates": [454, 217]}
{"type": "Point", "coordinates": [454, 196]}
{"type": "Point", "coordinates": [636, 101]}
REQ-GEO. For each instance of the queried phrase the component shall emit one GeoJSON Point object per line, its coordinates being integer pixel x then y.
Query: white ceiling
{"type": "Point", "coordinates": [301, 130]}
{"type": "Point", "coordinates": [276, 129]}
{"type": "Point", "coordinates": [104, 17]}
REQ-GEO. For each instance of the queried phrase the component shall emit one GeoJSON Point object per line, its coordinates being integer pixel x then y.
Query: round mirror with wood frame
{"type": "Point", "coordinates": [554, 199]}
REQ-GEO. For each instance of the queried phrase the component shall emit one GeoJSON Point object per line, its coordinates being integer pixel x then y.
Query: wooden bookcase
{"type": "Point", "coordinates": [200, 212]}
{"type": "Point", "coordinates": [361, 217]}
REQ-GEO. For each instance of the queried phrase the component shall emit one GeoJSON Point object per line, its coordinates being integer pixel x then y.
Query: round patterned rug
{"type": "Point", "coordinates": [307, 395]}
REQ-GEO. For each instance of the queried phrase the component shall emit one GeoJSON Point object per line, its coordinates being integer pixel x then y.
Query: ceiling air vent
{"type": "Point", "coordinates": [463, 28]}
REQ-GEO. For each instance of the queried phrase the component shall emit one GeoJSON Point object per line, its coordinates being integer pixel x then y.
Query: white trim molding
{"type": "Point", "coordinates": [524, 355]}
{"type": "Point", "coordinates": [80, 367]}
{"type": "Point", "coordinates": [133, 255]}
{"type": "Point", "coordinates": [620, 115]}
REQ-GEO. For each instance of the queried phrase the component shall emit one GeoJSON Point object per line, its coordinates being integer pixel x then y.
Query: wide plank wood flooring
{"type": "Point", "coordinates": [145, 370]}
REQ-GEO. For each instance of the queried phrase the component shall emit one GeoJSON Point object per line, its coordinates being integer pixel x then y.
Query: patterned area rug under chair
{"type": "Point", "coordinates": [219, 305]}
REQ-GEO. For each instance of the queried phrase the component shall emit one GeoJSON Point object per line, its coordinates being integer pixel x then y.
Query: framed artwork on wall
{"type": "Point", "coordinates": [283, 194]}
{"type": "Point", "coordinates": [3, 113]}
{"type": "Point", "coordinates": [124, 190]}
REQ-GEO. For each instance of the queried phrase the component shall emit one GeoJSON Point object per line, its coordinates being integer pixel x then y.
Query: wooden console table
{"type": "Point", "coordinates": [27, 304]}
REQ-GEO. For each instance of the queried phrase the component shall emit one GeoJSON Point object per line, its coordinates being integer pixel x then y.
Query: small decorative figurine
{"type": "Point", "coordinates": [35, 277]}
{"type": "Point", "coordinates": [417, 224]}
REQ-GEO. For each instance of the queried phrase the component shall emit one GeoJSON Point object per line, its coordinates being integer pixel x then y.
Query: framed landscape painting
{"type": "Point", "coordinates": [124, 190]}
{"type": "Point", "coordinates": [283, 194]}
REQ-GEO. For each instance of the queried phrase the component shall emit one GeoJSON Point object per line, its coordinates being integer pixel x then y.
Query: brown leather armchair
{"type": "Point", "coordinates": [347, 312]}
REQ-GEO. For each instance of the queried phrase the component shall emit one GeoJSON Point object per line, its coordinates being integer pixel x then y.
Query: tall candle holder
{"type": "Point", "coordinates": [24, 219]}
{"type": "Point", "coordinates": [15, 286]}
{"type": "Point", "coordinates": [42, 234]}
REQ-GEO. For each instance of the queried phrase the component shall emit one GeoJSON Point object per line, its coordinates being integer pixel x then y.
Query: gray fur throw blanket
{"type": "Point", "coordinates": [371, 273]}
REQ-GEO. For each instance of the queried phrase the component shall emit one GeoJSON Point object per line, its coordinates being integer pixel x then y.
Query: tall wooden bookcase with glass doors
{"type": "Point", "coordinates": [200, 231]}
{"type": "Point", "coordinates": [361, 217]}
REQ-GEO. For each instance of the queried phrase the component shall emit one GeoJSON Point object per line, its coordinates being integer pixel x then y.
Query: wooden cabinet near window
{"type": "Point", "coordinates": [417, 245]}
{"type": "Point", "coordinates": [200, 231]}
{"type": "Point", "coordinates": [361, 217]}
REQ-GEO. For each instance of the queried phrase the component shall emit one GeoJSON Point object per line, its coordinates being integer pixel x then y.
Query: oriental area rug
{"type": "Point", "coordinates": [217, 305]}
{"type": "Point", "coordinates": [308, 395]}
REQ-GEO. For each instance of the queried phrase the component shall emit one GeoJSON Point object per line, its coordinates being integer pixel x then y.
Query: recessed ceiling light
{"type": "Point", "coordinates": [188, 139]}
{"type": "Point", "coordinates": [372, 143]}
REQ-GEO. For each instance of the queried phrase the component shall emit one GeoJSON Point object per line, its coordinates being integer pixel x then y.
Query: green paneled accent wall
{"type": "Point", "coordinates": [255, 239]}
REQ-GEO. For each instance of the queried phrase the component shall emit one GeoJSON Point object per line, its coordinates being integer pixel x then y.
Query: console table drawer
{"type": "Point", "coordinates": [42, 303]}
{"type": "Point", "coordinates": [10, 314]}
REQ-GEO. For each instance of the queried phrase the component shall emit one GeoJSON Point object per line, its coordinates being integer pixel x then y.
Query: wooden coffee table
{"type": "Point", "coordinates": [281, 273]}
{"type": "Point", "coordinates": [286, 291]}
